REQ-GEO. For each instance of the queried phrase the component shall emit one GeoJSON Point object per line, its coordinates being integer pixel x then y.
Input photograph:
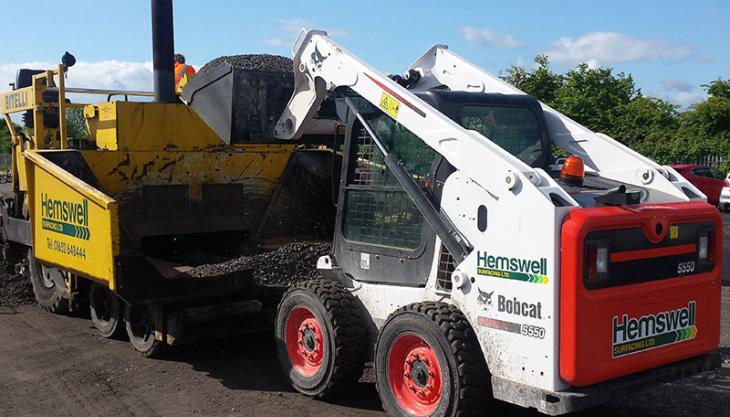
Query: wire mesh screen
{"type": "Point", "coordinates": [386, 218]}
{"type": "Point", "coordinates": [377, 210]}
{"type": "Point", "coordinates": [370, 163]}
{"type": "Point", "coordinates": [446, 267]}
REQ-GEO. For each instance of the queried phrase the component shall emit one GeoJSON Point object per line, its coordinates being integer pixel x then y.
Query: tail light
{"type": "Point", "coordinates": [702, 250]}
{"type": "Point", "coordinates": [726, 184]}
{"type": "Point", "coordinates": [597, 261]}
{"type": "Point", "coordinates": [709, 242]}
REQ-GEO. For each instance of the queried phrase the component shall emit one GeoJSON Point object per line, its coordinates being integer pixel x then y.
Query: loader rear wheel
{"type": "Point", "coordinates": [321, 339]}
{"type": "Point", "coordinates": [428, 362]}
{"type": "Point", "coordinates": [49, 286]}
{"type": "Point", "coordinates": [106, 314]}
{"type": "Point", "coordinates": [141, 331]}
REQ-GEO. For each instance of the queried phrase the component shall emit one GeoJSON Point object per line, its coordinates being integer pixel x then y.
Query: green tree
{"type": "Point", "coordinates": [713, 114]}
{"type": "Point", "coordinates": [541, 83]}
{"type": "Point", "coordinates": [76, 127]}
{"type": "Point", "coordinates": [704, 129]}
{"type": "Point", "coordinates": [645, 124]}
{"type": "Point", "coordinates": [5, 139]}
{"type": "Point", "coordinates": [593, 96]}
{"type": "Point", "coordinates": [718, 88]}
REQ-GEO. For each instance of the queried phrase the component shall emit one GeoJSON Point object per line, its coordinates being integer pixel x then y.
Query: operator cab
{"type": "Point", "coordinates": [516, 123]}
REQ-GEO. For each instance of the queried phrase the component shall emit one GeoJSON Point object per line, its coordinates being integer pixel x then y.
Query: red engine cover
{"type": "Point", "coordinates": [618, 330]}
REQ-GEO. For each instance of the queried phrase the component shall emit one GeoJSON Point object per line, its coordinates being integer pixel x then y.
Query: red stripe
{"type": "Point", "coordinates": [396, 95]}
{"type": "Point", "coordinates": [633, 255]}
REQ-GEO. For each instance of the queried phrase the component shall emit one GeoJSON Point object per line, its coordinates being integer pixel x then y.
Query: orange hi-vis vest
{"type": "Point", "coordinates": [183, 74]}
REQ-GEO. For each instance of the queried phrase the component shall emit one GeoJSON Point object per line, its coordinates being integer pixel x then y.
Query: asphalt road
{"type": "Point", "coordinates": [59, 366]}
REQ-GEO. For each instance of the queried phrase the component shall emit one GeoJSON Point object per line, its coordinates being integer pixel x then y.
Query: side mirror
{"type": "Point", "coordinates": [68, 60]}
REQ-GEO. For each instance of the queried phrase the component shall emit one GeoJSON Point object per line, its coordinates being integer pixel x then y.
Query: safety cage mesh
{"type": "Point", "coordinates": [446, 267]}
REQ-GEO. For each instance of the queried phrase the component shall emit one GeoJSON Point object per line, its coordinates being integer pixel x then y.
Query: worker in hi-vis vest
{"type": "Point", "coordinates": [183, 72]}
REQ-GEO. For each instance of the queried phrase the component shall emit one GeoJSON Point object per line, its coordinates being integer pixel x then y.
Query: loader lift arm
{"type": "Point", "coordinates": [321, 67]}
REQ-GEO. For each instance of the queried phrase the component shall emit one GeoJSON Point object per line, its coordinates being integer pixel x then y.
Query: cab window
{"type": "Point", "coordinates": [514, 129]}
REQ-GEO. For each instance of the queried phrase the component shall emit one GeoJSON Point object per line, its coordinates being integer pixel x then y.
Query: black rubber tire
{"type": "Point", "coordinates": [106, 312]}
{"type": "Point", "coordinates": [345, 340]}
{"type": "Point", "coordinates": [140, 330]}
{"type": "Point", "coordinates": [52, 297]}
{"type": "Point", "coordinates": [466, 387]}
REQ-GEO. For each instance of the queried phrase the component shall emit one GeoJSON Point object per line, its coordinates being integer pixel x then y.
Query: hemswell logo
{"type": "Point", "coordinates": [528, 270]}
{"type": "Point", "coordinates": [632, 335]}
{"type": "Point", "coordinates": [65, 217]}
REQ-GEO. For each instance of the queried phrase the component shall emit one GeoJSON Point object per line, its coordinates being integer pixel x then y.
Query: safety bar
{"type": "Point", "coordinates": [110, 92]}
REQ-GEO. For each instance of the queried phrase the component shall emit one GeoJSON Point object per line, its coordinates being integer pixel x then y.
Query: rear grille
{"type": "Point", "coordinates": [446, 267]}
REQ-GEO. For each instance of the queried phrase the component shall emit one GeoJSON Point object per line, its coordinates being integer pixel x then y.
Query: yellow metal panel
{"type": "Point", "coordinates": [158, 126]}
{"type": "Point", "coordinates": [257, 166]}
{"type": "Point", "coordinates": [74, 225]}
{"type": "Point", "coordinates": [102, 123]}
{"type": "Point", "coordinates": [17, 100]}
{"type": "Point", "coordinates": [20, 166]}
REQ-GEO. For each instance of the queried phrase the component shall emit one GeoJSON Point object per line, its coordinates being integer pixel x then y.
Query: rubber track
{"type": "Point", "coordinates": [474, 381]}
{"type": "Point", "coordinates": [350, 336]}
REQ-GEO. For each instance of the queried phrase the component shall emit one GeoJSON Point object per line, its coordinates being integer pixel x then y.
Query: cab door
{"type": "Point", "coordinates": [381, 235]}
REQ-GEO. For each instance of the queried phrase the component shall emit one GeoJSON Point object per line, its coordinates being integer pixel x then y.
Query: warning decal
{"type": "Point", "coordinates": [389, 105]}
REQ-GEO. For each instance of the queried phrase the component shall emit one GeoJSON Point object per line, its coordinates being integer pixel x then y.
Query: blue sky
{"type": "Point", "coordinates": [670, 47]}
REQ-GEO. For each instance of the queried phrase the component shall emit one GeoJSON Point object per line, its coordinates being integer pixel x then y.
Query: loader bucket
{"type": "Point", "coordinates": [241, 97]}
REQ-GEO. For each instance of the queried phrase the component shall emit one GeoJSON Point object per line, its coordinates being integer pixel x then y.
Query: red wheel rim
{"type": "Point", "coordinates": [304, 341]}
{"type": "Point", "coordinates": [414, 375]}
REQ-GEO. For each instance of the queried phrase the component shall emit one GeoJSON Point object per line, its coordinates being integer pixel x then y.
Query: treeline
{"type": "Point", "coordinates": [611, 103]}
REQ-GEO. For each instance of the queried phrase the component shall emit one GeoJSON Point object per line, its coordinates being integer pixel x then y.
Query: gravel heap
{"type": "Point", "coordinates": [253, 62]}
{"type": "Point", "coordinates": [290, 263]}
{"type": "Point", "coordinates": [15, 289]}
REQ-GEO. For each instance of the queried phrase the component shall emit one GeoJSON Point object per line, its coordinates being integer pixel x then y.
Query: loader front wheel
{"type": "Point", "coordinates": [321, 339]}
{"type": "Point", "coordinates": [428, 362]}
{"type": "Point", "coordinates": [49, 286]}
{"type": "Point", "coordinates": [141, 331]}
{"type": "Point", "coordinates": [106, 314]}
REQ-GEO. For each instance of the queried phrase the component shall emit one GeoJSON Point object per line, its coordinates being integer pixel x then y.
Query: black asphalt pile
{"type": "Point", "coordinates": [15, 289]}
{"type": "Point", "coordinates": [290, 263]}
{"type": "Point", "coordinates": [302, 208]}
{"type": "Point", "coordinates": [253, 62]}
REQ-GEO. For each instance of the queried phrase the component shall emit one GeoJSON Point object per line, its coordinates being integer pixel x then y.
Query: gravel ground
{"type": "Point", "coordinates": [57, 365]}
{"type": "Point", "coordinates": [15, 289]}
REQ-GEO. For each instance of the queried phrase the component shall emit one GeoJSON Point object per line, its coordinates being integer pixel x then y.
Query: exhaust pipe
{"type": "Point", "coordinates": [163, 50]}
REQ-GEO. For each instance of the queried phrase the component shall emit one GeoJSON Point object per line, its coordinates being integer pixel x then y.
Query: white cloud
{"type": "Point", "coordinates": [276, 42]}
{"type": "Point", "coordinates": [683, 99]}
{"type": "Point", "coordinates": [487, 36]}
{"type": "Point", "coordinates": [289, 28]}
{"type": "Point", "coordinates": [678, 85]}
{"type": "Point", "coordinates": [680, 92]}
{"type": "Point", "coordinates": [116, 75]}
{"type": "Point", "coordinates": [605, 48]}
